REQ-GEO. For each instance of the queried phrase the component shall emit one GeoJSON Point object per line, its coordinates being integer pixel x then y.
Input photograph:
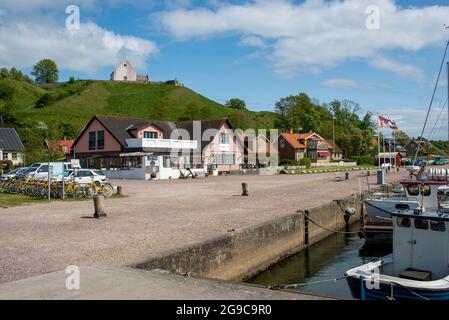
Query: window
{"type": "Point", "coordinates": [438, 226]}
{"type": "Point", "coordinates": [413, 190]}
{"type": "Point", "coordinates": [421, 224]}
{"type": "Point", "coordinates": [150, 135]}
{"type": "Point", "coordinates": [425, 191]}
{"type": "Point", "coordinates": [100, 140]}
{"type": "Point", "coordinates": [404, 222]}
{"type": "Point", "coordinates": [228, 159]}
{"type": "Point", "coordinates": [224, 138]}
{"type": "Point", "coordinates": [14, 155]}
{"type": "Point", "coordinates": [402, 206]}
{"type": "Point", "coordinates": [5, 155]}
{"type": "Point", "coordinates": [43, 168]}
{"type": "Point", "coordinates": [92, 138]}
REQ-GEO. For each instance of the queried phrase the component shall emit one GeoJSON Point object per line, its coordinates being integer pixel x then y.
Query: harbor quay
{"type": "Point", "coordinates": [198, 227]}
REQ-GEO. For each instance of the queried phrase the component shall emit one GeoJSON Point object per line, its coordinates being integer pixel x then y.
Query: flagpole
{"type": "Point", "coordinates": [383, 142]}
{"type": "Point", "coordinates": [378, 142]}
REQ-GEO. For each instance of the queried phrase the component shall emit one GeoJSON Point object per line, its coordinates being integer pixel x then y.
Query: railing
{"type": "Point", "coordinates": [161, 143]}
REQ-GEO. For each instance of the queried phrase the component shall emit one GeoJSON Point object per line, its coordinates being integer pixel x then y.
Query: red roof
{"type": "Point", "coordinates": [297, 140]}
{"type": "Point", "coordinates": [61, 143]}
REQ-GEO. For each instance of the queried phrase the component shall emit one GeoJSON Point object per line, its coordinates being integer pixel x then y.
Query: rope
{"type": "Point", "coordinates": [333, 231]}
{"type": "Point", "coordinates": [408, 289]}
{"type": "Point", "coordinates": [297, 285]}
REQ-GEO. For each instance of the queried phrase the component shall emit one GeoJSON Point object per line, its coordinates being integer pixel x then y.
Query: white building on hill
{"type": "Point", "coordinates": [125, 72]}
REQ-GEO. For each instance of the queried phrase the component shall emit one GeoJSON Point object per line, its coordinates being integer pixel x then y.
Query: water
{"type": "Point", "coordinates": [327, 259]}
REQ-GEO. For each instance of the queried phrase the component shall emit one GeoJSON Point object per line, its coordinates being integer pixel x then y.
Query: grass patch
{"type": "Point", "coordinates": [8, 200]}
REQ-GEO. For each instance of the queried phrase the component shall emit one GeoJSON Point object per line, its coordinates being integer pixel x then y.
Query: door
{"type": "Point", "coordinates": [402, 244]}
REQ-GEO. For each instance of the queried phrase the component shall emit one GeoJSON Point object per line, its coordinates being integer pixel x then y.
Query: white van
{"type": "Point", "coordinates": [40, 170]}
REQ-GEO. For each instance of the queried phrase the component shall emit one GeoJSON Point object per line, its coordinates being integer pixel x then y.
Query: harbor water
{"type": "Point", "coordinates": [329, 259]}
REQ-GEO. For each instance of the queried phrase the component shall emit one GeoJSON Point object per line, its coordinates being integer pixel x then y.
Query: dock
{"type": "Point", "coordinates": [118, 283]}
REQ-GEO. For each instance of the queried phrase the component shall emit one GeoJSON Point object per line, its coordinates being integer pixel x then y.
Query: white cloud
{"type": "Point", "coordinates": [347, 84]}
{"type": "Point", "coordinates": [33, 30]}
{"type": "Point", "coordinates": [318, 34]}
{"type": "Point", "coordinates": [404, 70]}
{"type": "Point", "coordinates": [252, 41]}
{"type": "Point", "coordinates": [88, 50]}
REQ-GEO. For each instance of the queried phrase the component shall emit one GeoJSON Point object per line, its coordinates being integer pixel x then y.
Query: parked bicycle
{"type": "Point", "coordinates": [96, 188]}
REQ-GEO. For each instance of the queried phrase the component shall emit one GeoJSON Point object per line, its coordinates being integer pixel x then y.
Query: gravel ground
{"type": "Point", "coordinates": [155, 215]}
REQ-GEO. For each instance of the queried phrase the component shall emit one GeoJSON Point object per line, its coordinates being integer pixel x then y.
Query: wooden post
{"type": "Point", "coordinates": [99, 207]}
{"type": "Point", "coordinates": [119, 190]}
{"type": "Point", "coordinates": [245, 189]}
{"type": "Point", "coordinates": [306, 228]}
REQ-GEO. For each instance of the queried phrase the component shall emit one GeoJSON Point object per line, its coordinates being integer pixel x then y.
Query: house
{"type": "Point", "coordinates": [335, 151]}
{"type": "Point", "coordinates": [395, 158]}
{"type": "Point", "coordinates": [124, 71]}
{"type": "Point", "coordinates": [294, 146]}
{"type": "Point", "coordinates": [59, 147]}
{"type": "Point", "coordinates": [144, 149]}
{"type": "Point", "coordinates": [259, 151]}
{"type": "Point", "coordinates": [410, 148]}
{"type": "Point", "coordinates": [11, 147]}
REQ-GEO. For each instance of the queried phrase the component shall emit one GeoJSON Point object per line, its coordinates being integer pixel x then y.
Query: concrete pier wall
{"type": "Point", "coordinates": [242, 253]}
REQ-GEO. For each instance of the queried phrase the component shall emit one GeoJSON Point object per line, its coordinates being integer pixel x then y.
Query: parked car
{"type": "Point", "coordinates": [40, 170]}
{"type": "Point", "coordinates": [85, 176]}
{"type": "Point", "coordinates": [439, 162]}
{"type": "Point", "coordinates": [12, 174]}
{"type": "Point", "coordinates": [420, 163]}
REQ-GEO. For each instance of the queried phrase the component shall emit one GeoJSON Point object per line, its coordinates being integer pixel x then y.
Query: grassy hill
{"type": "Point", "coordinates": [77, 102]}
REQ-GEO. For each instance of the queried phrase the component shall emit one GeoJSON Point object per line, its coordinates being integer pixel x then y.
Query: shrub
{"type": "Point", "coordinates": [288, 162]}
{"type": "Point", "coordinates": [45, 100]}
{"type": "Point", "coordinates": [305, 162]}
{"type": "Point", "coordinates": [363, 160]}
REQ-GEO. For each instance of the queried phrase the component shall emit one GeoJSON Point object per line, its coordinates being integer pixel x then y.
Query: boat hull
{"type": "Point", "coordinates": [360, 291]}
{"type": "Point", "coordinates": [380, 210]}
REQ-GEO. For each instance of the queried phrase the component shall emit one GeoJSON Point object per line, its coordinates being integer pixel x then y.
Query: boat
{"type": "Point", "coordinates": [418, 267]}
{"type": "Point", "coordinates": [418, 193]}
{"type": "Point", "coordinates": [377, 228]}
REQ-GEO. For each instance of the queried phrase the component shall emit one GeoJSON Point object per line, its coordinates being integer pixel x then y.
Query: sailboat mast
{"type": "Point", "coordinates": [448, 104]}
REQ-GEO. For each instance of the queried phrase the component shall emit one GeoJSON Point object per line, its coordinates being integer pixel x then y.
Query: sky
{"type": "Point", "coordinates": [383, 54]}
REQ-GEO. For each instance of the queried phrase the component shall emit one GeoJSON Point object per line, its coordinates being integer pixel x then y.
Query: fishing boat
{"type": "Point", "coordinates": [418, 193]}
{"type": "Point", "coordinates": [418, 267]}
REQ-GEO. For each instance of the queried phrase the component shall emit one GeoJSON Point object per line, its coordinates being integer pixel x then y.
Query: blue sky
{"type": "Point", "coordinates": [256, 50]}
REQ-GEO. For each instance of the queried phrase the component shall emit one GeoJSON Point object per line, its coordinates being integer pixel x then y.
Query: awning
{"type": "Point", "coordinates": [323, 153]}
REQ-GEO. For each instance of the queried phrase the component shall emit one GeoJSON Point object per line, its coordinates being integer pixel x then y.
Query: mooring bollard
{"type": "Point", "coordinates": [346, 175]}
{"type": "Point", "coordinates": [99, 207]}
{"type": "Point", "coordinates": [245, 189]}
{"type": "Point", "coordinates": [119, 190]}
{"type": "Point", "coordinates": [368, 173]}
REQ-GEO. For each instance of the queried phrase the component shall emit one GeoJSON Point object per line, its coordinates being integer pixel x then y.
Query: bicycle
{"type": "Point", "coordinates": [96, 188]}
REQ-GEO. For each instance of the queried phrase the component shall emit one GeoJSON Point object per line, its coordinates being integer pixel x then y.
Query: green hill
{"type": "Point", "coordinates": [77, 102]}
{"type": "Point", "coordinates": [61, 110]}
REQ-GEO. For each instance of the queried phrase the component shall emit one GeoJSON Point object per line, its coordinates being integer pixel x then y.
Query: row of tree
{"type": "Point", "coordinates": [44, 71]}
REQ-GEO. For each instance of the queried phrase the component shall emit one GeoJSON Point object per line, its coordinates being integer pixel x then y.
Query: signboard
{"type": "Point", "coordinates": [75, 163]}
{"type": "Point", "coordinates": [56, 169]}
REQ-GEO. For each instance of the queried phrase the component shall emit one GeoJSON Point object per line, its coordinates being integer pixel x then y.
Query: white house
{"type": "Point", "coordinates": [11, 147]}
{"type": "Point", "coordinates": [124, 71]}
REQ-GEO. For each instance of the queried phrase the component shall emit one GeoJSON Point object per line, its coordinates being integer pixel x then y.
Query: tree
{"type": "Point", "coordinates": [45, 71]}
{"type": "Point", "coordinates": [236, 103]}
{"type": "Point", "coordinates": [72, 79]}
{"type": "Point", "coordinates": [299, 113]}
{"type": "Point", "coordinates": [16, 74]}
{"type": "Point", "coordinates": [45, 100]}
{"type": "Point", "coordinates": [4, 73]}
{"type": "Point", "coordinates": [6, 91]}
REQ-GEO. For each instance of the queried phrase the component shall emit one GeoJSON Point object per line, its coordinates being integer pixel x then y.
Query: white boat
{"type": "Point", "coordinates": [418, 267]}
{"type": "Point", "coordinates": [425, 194]}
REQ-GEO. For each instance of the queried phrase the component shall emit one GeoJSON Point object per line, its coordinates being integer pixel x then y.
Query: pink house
{"type": "Point", "coordinates": [146, 149]}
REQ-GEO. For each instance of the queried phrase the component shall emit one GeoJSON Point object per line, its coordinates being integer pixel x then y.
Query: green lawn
{"type": "Point", "coordinates": [13, 200]}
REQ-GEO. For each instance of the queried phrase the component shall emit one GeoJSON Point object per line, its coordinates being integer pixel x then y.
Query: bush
{"type": "Point", "coordinates": [288, 162]}
{"type": "Point", "coordinates": [363, 160]}
{"type": "Point", "coordinates": [305, 162]}
{"type": "Point", "coordinates": [45, 100]}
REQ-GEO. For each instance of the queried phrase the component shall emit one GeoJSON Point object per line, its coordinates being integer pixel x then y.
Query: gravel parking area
{"type": "Point", "coordinates": [154, 215]}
